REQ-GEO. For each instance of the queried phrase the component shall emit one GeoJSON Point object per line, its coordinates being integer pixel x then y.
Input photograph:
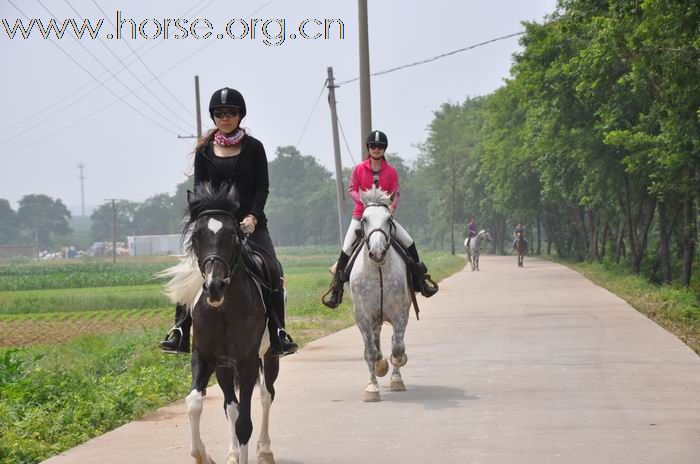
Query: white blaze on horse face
{"type": "Point", "coordinates": [214, 225]}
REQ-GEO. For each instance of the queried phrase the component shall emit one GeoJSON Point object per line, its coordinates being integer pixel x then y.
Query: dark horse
{"type": "Point", "coordinates": [230, 335]}
{"type": "Point", "coordinates": [520, 247]}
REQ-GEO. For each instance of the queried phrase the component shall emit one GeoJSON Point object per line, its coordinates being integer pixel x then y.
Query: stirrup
{"type": "Point", "coordinates": [332, 292]}
{"type": "Point", "coordinates": [165, 344]}
{"type": "Point", "coordinates": [429, 287]}
{"type": "Point", "coordinates": [286, 345]}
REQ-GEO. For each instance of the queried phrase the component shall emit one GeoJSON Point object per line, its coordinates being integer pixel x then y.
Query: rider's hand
{"type": "Point", "coordinates": [248, 224]}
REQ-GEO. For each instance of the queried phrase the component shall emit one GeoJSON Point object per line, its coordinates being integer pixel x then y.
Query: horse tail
{"type": "Point", "coordinates": [185, 281]}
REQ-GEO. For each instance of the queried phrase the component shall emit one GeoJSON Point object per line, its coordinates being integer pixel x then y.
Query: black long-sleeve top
{"type": "Point", "coordinates": [248, 170]}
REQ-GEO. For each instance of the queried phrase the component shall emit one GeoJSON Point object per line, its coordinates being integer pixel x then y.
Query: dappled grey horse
{"type": "Point", "coordinates": [380, 293]}
{"type": "Point", "coordinates": [474, 248]}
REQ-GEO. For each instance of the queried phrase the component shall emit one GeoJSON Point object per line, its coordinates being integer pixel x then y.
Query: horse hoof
{"type": "Point", "coordinates": [381, 367]}
{"type": "Point", "coordinates": [371, 397]}
{"type": "Point", "coordinates": [266, 457]}
{"type": "Point", "coordinates": [397, 386]}
{"type": "Point", "coordinates": [400, 362]}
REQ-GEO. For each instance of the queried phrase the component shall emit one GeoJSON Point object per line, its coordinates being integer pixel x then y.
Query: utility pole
{"type": "Point", "coordinates": [199, 108]}
{"type": "Point", "coordinates": [199, 113]}
{"type": "Point", "coordinates": [81, 166]}
{"type": "Point", "coordinates": [365, 93]}
{"type": "Point", "coordinates": [114, 228]}
{"type": "Point", "coordinates": [336, 152]}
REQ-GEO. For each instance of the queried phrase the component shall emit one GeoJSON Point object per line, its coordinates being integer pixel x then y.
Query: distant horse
{"type": "Point", "coordinates": [380, 292]}
{"type": "Point", "coordinates": [521, 248]}
{"type": "Point", "coordinates": [474, 248]}
{"type": "Point", "coordinates": [229, 322]}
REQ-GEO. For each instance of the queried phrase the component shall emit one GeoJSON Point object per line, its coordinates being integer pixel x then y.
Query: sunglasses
{"type": "Point", "coordinates": [375, 145]}
{"type": "Point", "coordinates": [231, 113]}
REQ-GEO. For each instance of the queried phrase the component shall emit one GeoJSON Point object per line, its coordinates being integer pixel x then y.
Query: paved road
{"type": "Point", "coordinates": [507, 365]}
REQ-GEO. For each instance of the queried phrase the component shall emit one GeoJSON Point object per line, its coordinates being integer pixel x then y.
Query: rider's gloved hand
{"type": "Point", "coordinates": [248, 224]}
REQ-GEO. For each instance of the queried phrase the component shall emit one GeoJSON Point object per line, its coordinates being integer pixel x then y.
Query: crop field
{"type": "Point", "coordinates": [79, 343]}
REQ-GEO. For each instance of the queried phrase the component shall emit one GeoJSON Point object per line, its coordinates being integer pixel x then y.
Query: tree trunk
{"type": "Point", "coordinates": [539, 234]}
{"type": "Point", "coordinates": [604, 240]}
{"type": "Point", "coordinates": [619, 241]}
{"type": "Point", "coordinates": [638, 253]}
{"type": "Point", "coordinates": [664, 252]}
{"type": "Point", "coordinates": [689, 240]}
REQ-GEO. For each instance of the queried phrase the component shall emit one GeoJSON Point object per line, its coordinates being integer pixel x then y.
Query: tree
{"type": "Point", "coordinates": [9, 227]}
{"type": "Point", "coordinates": [154, 216]}
{"type": "Point", "coordinates": [101, 228]}
{"type": "Point", "coordinates": [42, 218]}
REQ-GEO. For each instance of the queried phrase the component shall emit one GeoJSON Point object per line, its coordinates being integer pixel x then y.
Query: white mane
{"type": "Point", "coordinates": [375, 195]}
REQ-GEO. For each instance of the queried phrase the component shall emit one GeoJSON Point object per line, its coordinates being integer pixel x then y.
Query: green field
{"type": "Point", "coordinates": [78, 345]}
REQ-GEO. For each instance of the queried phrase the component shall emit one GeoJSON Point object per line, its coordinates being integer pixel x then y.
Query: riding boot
{"type": "Point", "coordinates": [177, 339]}
{"type": "Point", "coordinates": [280, 341]}
{"type": "Point", "coordinates": [421, 279]}
{"type": "Point", "coordinates": [339, 278]}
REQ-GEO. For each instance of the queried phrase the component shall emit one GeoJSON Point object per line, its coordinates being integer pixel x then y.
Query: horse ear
{"type": "Point", "coordinates": [392, 196]}
{"type": "Point", "coordinates": [190, 196]}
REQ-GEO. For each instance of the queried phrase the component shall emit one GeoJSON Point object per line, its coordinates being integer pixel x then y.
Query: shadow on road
{"type": "Point", "coordinates": [430, 396]}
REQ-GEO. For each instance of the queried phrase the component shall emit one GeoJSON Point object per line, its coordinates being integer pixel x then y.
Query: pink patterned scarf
{"type": "Point", "coordinates": [221, 139]}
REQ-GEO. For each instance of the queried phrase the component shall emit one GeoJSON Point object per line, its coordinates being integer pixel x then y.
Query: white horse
{"type": "Point", "coordinates": [474, 248]}
{"type": "Point", "coordinates": [380, 292]}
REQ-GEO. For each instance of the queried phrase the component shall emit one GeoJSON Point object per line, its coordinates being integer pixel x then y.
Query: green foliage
{"type": "Point", "coordinates": [42, 218]}
{"type": "Point", "coordinates": [35, 276]}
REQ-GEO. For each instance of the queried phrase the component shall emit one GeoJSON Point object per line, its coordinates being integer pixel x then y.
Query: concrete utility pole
{"type": "Point", "coordinates": [365, 93]}
{"type": "Point", "coordinates": [336, 151]}
{"type": "Point", "coordinates": [199, 113]}
{"type": "Point", "coordinates": [81, 166]}
{"type": "Point", "coordinates": [114, 228]}
{"type": "Point", "coordinates": [199, 108]}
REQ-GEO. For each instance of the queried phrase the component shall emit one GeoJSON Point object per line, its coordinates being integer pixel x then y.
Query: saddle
{"type": "Point", "coordinates": [258, 264]}
{"type": "Point", "coordinates": [344, 274]}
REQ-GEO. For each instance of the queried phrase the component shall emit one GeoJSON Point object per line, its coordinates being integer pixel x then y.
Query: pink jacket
{"type": "Point", "coordinates": [362, 179]}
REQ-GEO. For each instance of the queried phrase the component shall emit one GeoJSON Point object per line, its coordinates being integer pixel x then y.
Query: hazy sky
{"type": "Point", "coordinates": [55, 115]}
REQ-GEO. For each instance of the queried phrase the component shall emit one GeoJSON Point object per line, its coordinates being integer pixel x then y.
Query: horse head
{"type": "Point", "coordinates": [216, 240]}
{"type": "Point", "coordinates": [377, 223]}
{"type": "Point", "coordinates": [486, 235]}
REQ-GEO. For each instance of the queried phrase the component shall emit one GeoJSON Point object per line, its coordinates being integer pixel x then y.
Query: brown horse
{"type": "Point", "coordinates": [521, 248]}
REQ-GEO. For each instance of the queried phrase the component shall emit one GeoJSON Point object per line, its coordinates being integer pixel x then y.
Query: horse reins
{"type": "Point", "coordinates": [388, 237]}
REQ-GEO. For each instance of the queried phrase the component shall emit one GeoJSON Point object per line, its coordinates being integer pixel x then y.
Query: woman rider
{"type": "Point", "coordinates": [228, 155]}
{"type": "Point", "coordinates": [375, 170]}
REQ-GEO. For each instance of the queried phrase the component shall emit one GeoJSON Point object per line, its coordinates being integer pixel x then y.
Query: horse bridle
{"type": "Point", "coordinates": [388, 237]}
{"type": "Point", "coordinates": [218, 258]}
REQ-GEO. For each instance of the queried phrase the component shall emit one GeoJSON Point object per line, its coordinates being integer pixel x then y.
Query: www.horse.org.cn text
{"type": "Point", "coordinates": [272, 32]}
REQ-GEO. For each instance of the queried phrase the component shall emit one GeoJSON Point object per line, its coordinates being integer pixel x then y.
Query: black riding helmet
{"type": "Point", "coordinates": [227, 97]}
{"type": "Point", "coordinates": [377, 137]}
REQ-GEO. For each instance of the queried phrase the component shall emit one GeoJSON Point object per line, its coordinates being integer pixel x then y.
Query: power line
{"type": "Point", "coordinates": [437, 57]}
{"type": "Point", "coordinates": [346, 142]}
{"type": "Point", "coordinates": [133, 74]}
{"type": "Point", "coordinates": [159, 113]}
{"type": "Point", "coordinates": [312, 113]}
{"type": "Point", "coordinates": [105, 107]}
{"type": "Point", "coordinates": [152, 45]}
{"type": "Point", "coordinates": [126, 42]}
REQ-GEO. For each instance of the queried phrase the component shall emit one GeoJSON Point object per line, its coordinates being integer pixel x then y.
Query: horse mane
{"type": "Point", "coordinates": [375, 195]}
{"type": "Point", "coordinates": [185, 278]}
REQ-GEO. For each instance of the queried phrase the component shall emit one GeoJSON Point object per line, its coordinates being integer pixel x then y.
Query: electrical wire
{"type": "Point", "coordinates": [346, 140]}
{"type": "Point", "coordinates": [312, 113]}
{"type": "Point", "coordinates": [437, 57]}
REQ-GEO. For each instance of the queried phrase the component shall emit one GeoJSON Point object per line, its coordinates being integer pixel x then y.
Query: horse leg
{"type": "Point", "coordinates": [367, 331]}
{"type": "Point", "coordinates": [271, 367]}
{"type": "Point", "coordinates": [247, 377]}
{"type": "Point", "coordinates": [225, 378]}
{"type": "Point", "coordinates": [201, 372]}
{"type": "Point", "coordinates": [398, 354]}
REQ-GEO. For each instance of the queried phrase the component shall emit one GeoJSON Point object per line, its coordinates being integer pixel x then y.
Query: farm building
{"type": "Point", "coordinates": [154, 245]}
